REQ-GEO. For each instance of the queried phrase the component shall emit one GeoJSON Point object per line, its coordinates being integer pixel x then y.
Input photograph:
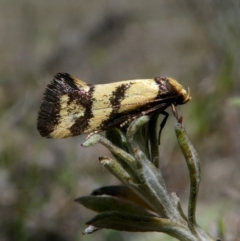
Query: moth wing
{"type": "Point", "coordinates": [61, 106]}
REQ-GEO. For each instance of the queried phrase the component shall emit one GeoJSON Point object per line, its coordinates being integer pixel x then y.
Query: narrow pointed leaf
{"type": "Point", "coordinates": [150, 176]}
{"type": "Point", "coordinates": [154, 150]}
{"type": "Point", "coordinates": [193, 164]}
{"type": "Point", "coordinates": [118, 152]}
{"type": "Point", "coordinates": [135, 135]}
{"type": "Point", "coordinates": [137, 223]}
{"type": "Point", "coordinates": [104, 204]}
{"type": "Point", "coordinates": [117, 138]}
{"type": "Point", "coordinates": [122, 192]}
{"type": "Point", "coordinates": [92, 140]}
{"type": "Point", "coordinates": [119, 171]}
{"type": "Point", "coordinates": [90, 229]}
{"type": "Point", "coordinates": [153, 183]}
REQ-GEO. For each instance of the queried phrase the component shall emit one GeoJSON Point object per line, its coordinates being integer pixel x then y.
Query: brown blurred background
{"type": "Point", "coordinates": [196, 42]}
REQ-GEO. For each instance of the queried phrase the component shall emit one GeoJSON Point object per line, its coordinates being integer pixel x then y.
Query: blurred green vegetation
{"type": "Point", "coordinates": [196, 42]}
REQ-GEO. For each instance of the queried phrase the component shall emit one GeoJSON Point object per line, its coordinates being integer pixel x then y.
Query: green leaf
{"type": "Point", "coordinates": [137, 223]}
{"type": "Point", "coordinates": [90, 229]}
{"type": "Point", "coordinates": [123, 173]}
{"type": "Point", "coordinates": [128, 222]}
{"type": "Point", "coordinates": [105, 204]}
{"type": "Point", "coordinates": [123, 192]}
{"type": "Point", "coordinates": [193, 163]}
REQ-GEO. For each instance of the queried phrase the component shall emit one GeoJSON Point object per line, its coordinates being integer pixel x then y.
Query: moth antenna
{"type": "Point", "coordinates": [188, 94]}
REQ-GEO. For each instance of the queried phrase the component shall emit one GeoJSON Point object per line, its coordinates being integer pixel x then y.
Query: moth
{"type": "Point", "coordinates": [72, 107]}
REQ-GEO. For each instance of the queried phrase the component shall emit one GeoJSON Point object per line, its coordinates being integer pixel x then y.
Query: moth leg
{"type": "Point", "coordinates": [92, 133]}
{"type": "Point", "coordinates": [174, 111]}
{"type": "Point", "coordinates": [145, 112]}
{"type": "Point", "coordinates": [179, 118]}
{"type": "Point", "coordinates": [130, 118]}
{"type": "Point", "coordinates": [127, 118]}
{"type": "Point", "coordinates": [118, 121]}
{"type": "Point", "coordinates": [162, 124]}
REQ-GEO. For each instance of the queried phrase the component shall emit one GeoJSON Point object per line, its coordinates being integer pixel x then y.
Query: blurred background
{"type": "Point", "coordinates": [196, 42]}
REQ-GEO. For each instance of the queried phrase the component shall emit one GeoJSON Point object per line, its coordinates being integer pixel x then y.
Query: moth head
{"type": "Point", "coordinates": [183, 95]}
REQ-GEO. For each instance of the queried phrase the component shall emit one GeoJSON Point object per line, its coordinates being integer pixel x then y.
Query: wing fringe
{"type": "Point", "coordinates": [48, 115]}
